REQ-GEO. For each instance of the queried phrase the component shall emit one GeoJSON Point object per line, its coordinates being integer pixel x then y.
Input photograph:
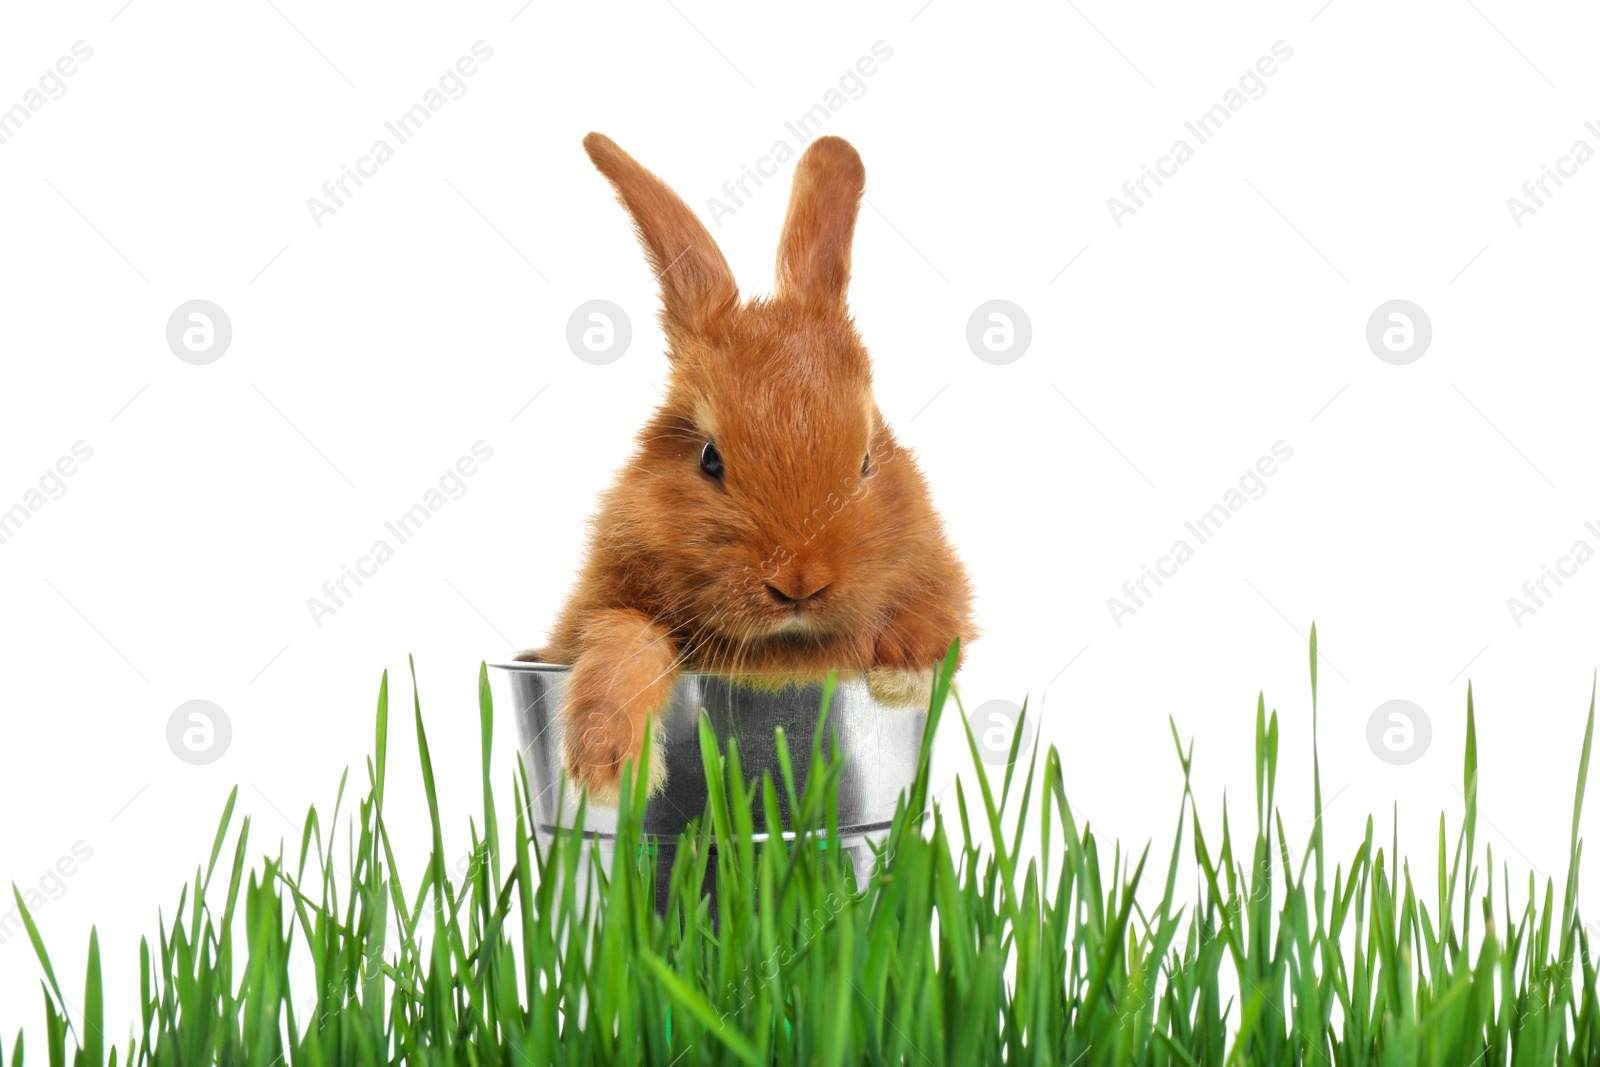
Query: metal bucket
{"type": "Point", "coordinates": [878, 742]}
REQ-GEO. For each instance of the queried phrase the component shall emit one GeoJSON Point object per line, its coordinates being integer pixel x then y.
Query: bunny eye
{"type": "Point", "coordinates": [711, 461]}
{"type": "Point", "coordinates": [866, 464]}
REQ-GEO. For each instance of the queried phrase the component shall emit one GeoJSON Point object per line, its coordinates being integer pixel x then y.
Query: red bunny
{"type": "Point", "coordinates": [768, 522]}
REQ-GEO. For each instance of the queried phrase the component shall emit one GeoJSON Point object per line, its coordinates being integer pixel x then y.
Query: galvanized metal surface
{"type": "Point", "coordinates": [879, 744]}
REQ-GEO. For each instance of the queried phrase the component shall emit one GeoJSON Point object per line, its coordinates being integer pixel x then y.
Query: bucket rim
{"type": "Point", "coordinates": [762, 680]}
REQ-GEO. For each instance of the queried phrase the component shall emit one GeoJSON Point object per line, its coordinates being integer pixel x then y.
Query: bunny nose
{"type": "Point", "coordinates": [796, 589]}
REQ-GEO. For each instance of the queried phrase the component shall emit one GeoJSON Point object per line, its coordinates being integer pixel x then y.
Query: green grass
{"type": "Point", "coordinates": [952, 955]}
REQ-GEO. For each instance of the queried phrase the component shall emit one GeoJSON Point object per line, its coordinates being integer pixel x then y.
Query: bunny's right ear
{"type": "Point", "coordinates": [814, 251]}
{"type": "Point", "coordinates": [696, 284]}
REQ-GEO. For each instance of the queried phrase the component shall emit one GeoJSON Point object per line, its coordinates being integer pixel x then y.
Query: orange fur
{"type": "Point", "coordinates": [793, 564]}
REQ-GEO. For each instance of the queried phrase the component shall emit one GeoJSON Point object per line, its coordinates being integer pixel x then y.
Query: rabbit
{"type": "Point", "coordinates": [768, 523]}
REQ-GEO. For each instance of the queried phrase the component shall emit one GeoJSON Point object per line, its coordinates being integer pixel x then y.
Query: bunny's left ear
{"type": "Point", "coordinates": [814, 252]}
{"type": "Point", "coordinates": [697, 287]}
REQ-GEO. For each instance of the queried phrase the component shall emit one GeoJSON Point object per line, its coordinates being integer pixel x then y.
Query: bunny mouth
{"type": "Point", "coordinates": [810, 621]}
{"type": "Point", "coordinates": [793, 635]}
{"type": "Point", "coordinates": [794, 619]}
{"type": "Point", "coordinates": [798, 622]}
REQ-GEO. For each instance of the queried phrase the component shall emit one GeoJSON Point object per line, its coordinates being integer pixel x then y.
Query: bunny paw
{"type": "Point", "coordinates": [596, 745]}
{"type": "Point", "coordinates": [900, 688]}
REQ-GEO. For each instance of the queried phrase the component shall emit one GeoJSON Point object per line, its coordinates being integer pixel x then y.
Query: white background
{"type": "Point", "coordinates": [368, 354]}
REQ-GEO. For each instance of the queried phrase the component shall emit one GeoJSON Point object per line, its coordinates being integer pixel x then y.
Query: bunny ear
{"type": "Point", "coordinates": [696, 284]}
{"type": "Point", "coordinates": [814, 252]}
